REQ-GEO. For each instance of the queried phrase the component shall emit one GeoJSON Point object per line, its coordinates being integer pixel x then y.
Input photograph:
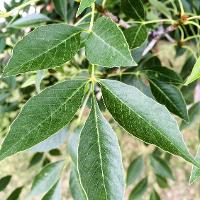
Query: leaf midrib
{"type": "Point", "coordinates": [99, 148]}
{"type": "Point", "coordinates": [24, 136]}
{"type": "Point", "coordinates": [116, 50]}
{"type": "Point", "coordinates": [143, 119]}
{"type": "Point", "coordinates": [135, 10]}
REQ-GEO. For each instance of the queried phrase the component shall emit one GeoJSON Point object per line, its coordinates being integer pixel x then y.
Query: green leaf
{"type": "Point", "coordinates": [15, 194]}
{"type": "Point", "coordinates": [133, 9]}
{"type": "Point", "coordinates": [144, 118]}
{"type": "Point", "coordinates": [4, 181]}
{"type": "Point", "coordinates": [136, 35]}
{"type": "Point", "coordinates": [61, 8]}
{"type": "Point", "coordinates": [162, 181]}
{"type": "Point", "coordinates": [54, 141]}
{"type": "Point", "coordinates": [43, 48]}
{"type": "Point", "coordinates": [99, 159]}
{"type": "Point", "coordinates": [75, 186]}
{"type": "Point", "coordinates": [134, 170]}
{"type": "Point", "coordinates": [154, 195]}
{"type": "Point", "coordinates": [161, 7]}
{"type": "Point", "coordinates": [194, 113]}
{"type": "Point", "coordinates": [139, 190]}
{"type": "Point", "coordinates": [102, 49]}
{"type": "Point", "coordinates": [163, 74]}
{"type": "Point", "coordinates": [46, 178]}
{"type": "Point", "coordinates": [54, 193]}
{"type": "Point", "coordinates": [37, 157]}
{"type": "Point", "coordinates": [195, 173]}
{"type": "Point", "coordinates": [161, 167]}
{"type": "Point", "coordinates": [83, 5]}
{"type": "Point", "coordinates": [73, 145]}
{"type": "Point", "coordinates": [138, 83]}
{"type": "Point", "coordinates": [2, 44]}
{"type": "Point", "coordinates": [43, 115]}
{"type": "Point", "coordinates": [30, 20]}
{"type": "Point", "coordinates": [195, 72]}
{"type": "Point", "coordinates": [171, 97]}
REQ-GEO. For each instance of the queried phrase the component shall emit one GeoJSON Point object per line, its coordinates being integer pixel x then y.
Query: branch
{"type": "Point", "coordinates": [157, 35]}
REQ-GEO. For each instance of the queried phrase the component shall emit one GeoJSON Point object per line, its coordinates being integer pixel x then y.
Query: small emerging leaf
{"type": "Point", "coordinates": [101, 49]}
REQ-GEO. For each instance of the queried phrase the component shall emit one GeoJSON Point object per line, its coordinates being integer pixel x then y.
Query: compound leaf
{"type": "Point", "coordinates": [99, 159]}
{"type": "Point", "coordinates": [102, 49]}
{"type": "Point", "coordinates": [43, 115]}
{"type": "Point", "coordinates": [45, 47]}
{"type": "Point", "coordinates": [144, 118]}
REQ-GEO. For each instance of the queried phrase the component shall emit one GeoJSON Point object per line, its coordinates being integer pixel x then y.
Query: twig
{"type": "Point", "coordinates": [157, 35]}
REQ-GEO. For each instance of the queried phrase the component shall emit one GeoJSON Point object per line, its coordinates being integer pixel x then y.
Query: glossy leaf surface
{"type": "Point", "coordinates": [144, 118]}
{"type": "Point", "coordinates": [99, 159]}
{"type": "Point", "coordinates": [43, 115]}
{"type": "Point", "coordinates": [102, 49]}
{"type": "Point", "coordinates": [45, 47]}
